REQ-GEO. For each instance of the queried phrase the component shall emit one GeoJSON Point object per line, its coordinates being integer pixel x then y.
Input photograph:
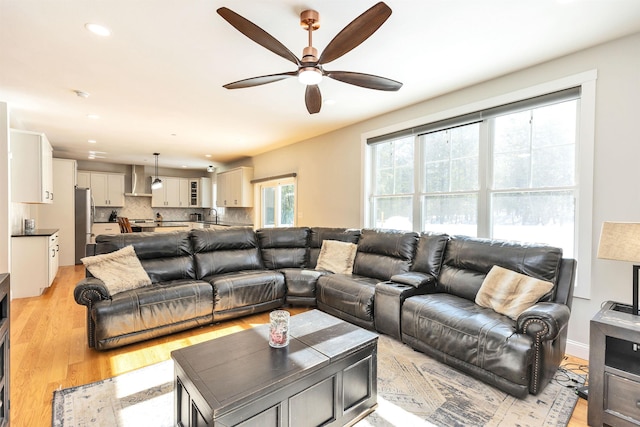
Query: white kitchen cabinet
{"type": "Point", "coordinates": [60, 214]}
{"type": "Point", "coordinates": [54, 256]}
{"type": "Point", "coordinates": [31, 167]}
{"type": "Point", "coordinates": [200, 193]}
{"type": "Point", "coordinates": [99, 228]}
{"type": "Point", "coordinates": [107, 189]}
{"type": "Point", "coordinates": [234, 189]}
{"type": "Point", "coordinates": [83, 179]}
{"type": "Point", "coordinates": [34, 263]}
{"type": "Point", "coordinates": [174, 193]}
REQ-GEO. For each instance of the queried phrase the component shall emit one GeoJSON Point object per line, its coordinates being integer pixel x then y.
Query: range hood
{"type": "Point", "coordinates": [139, 183]}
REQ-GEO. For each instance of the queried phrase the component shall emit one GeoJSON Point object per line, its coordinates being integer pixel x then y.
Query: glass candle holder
{"type": "Point", "coordinates": [279, 328]}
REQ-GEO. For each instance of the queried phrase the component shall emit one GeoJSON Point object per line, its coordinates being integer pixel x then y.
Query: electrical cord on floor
{"type": "Point", "coordinates": [574, 376]}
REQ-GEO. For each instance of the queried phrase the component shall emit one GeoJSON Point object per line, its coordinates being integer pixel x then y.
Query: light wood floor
{"type": "Point", "coordinates": [49, 350]}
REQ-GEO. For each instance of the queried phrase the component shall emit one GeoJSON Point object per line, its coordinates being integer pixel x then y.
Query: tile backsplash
{"type": "Point", "coordinates": [140, 208]}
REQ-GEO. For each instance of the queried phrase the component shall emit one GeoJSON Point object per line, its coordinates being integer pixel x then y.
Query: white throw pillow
{"type": "Point", "coordinates": [337, 257]}
{"type": "Point", "coordinates": [510, 293]}
{"type": "Point", "coordinates": [120, 270]}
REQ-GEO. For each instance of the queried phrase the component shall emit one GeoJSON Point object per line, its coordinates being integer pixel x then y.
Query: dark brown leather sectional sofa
{"type": "Point", "coordinates": [418, 288]}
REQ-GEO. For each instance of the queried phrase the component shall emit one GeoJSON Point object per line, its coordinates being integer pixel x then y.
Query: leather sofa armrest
{"type": "Point", "coordinates": [414, 278]}
{"type": "Point", "coordinates": [544, 320]}
{"type": "Point", "coordinates": [89, 291]}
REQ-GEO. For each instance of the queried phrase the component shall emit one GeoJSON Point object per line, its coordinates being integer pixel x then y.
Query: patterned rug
{"type": "Point", "coordinates": [413, 390]}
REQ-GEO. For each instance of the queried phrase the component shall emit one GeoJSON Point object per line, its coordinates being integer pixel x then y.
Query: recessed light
{"type": "Point", "coordinates": [184, 166]}
{"type": "Point", "coordinates": [93, 116]}
{"type": "Point", "coordinates": [207, 155]}
{"type": "Point", "coordinates": [92, 141]}
{"type": "Point", "coordinates": [98, 29]}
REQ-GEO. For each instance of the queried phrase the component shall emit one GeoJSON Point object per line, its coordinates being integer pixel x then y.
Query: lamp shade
{"type": "Point", "coordinates": [620, 241]}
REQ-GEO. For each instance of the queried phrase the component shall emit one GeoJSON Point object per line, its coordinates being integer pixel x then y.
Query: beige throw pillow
{"type": "Point", "coordinates": [510, 293]}
{"type": "Point", "coordinates": [120, 270]}
{"type": "Point", "coordinates": [337, 257]}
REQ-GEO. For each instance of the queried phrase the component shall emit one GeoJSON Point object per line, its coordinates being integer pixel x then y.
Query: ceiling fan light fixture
{"type": "Point", "coordinates": [309, 76]}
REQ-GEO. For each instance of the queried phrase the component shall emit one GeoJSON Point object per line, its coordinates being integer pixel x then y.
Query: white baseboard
{"type": "Point", "coordinates": [577, 349]}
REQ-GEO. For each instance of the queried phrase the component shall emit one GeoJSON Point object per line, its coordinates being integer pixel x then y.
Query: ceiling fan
{"type": "Point", "coordinates": [310, 67]}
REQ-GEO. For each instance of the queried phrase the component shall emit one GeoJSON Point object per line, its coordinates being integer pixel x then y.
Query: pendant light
{"type": "Point", "coordinates": [157, 183]}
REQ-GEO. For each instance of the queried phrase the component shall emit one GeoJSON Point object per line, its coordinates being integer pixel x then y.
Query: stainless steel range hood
{"type": "Point", "coordinates": [140, 184]}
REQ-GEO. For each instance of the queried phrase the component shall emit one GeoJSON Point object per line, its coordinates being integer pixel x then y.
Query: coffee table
{"type": "Point", "coordinates": [325, 376]}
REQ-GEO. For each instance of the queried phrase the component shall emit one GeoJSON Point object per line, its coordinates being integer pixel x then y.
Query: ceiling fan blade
{"type": "Point", "coordinates": [261, 80]}
{"type": "Point", "coordinates": [368, 81]}
{"type": "Point", "coordinates": [313, 99]}
{"type": "Point", "coordinates": [356, 32]}
{"type": "Point", "coordinates": [257, 34]}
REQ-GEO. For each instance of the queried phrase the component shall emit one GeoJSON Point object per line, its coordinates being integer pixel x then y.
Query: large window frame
{"type": "Point", "coordinates": [583, 226]}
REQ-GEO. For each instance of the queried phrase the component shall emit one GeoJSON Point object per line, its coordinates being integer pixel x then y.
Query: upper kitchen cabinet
{"type": "Point", "coordinates": [107, 189]}
{"type": "Point", "coordinates": [174, 193]}
{"type": "Point", "coordinates": [200, 194]}
{"type": "Point", "coordinates": [83, 179]}
{"type": "Point", "coordinates": [31, 167]}
{"type": "Point", "coordinates": [234, 188]}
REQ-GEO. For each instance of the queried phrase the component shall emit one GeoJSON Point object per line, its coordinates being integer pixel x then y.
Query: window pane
{"type": "Point", "coordinates": [535, 148]}
{"type": "Point", "coordinates": [451, 159]}
{"type": "Point", "coordinates": [394, 167]}
{"type": "Point", "coordinates": [286, 205]}
{"type": "Point", "coordinates": [393, 212]}
{"type": "Point", "coordinates": [268, 207]}
{"type": "Point", "coordinates": [451, 214]}
{"type": "Point", "coordinates": [544, 217]}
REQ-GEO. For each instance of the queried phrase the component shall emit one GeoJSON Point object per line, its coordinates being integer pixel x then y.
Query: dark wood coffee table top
{"type": "Point", "coordinates": [235, 369]}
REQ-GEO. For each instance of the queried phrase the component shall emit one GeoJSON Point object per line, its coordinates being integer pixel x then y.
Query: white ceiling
{"type": "Point", "coordinates": [156, 82]}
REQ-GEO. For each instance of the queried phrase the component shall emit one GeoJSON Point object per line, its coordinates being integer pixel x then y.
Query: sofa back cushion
{"type": "Point", "coordinates": [384, 253]}
{"type": "Point", "coordinates": [284, 247]}
{"type": "Point", "coordinates": [218, 251]}
{"type": "Point", "coordinates": [164, 256]}
{"type": "Point", "coordinates": [430, 253]}
{"type": "Point", "coordinates": [320, 234]}
{"type": "Point", "coordinates": [467, 261]}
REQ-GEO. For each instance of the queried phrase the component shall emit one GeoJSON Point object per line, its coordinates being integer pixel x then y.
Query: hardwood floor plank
{"type": "Point", "coordinates": [49, 350]}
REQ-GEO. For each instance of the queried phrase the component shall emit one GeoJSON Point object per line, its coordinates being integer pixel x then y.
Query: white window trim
{"type": "Point", "coordinates": [257, 197]}
{"type": "Point", "coordinates": [585, 157]}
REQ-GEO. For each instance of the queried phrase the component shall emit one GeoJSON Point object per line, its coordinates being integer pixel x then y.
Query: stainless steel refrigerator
{"type": "Point", "coordinates": [84, 221]}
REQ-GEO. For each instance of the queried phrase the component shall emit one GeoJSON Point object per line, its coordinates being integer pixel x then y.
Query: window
{"type": "Point", "coordinates": [507, 172]}
{"type": "Point", "coordinates": [277, 203]}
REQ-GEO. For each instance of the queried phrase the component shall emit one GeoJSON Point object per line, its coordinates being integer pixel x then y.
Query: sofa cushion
{"type": "Point", "coordinates": [467, 261]}
{"type": "Point", "coordinates": [510, 293]}
{"type": "Point", "coordinates": [347, 294]}
{"type": "Point", "coordinates": [246, 288]}
{"type": "Point", "coordinates": [337, 257]}
{"type": "Point", "coordinates": [320, 234]}
{"type": "Point", "coordinates": [283, 247]}
{"type": "Point", "coordinates": [120, 270]}
{"type": "Point", "coordinates": [219, 251]}
{"type": "Point", "coordinates": [164, 256]}
{"type": "Point", "coordinates": [466, 332]}
{"type": "Point", "coordinates": [384, 253]}
{"type": "Point", "coordinates": [161, 305]}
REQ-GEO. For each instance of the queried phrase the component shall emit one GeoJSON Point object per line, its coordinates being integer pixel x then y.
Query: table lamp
{"type": "Point", "coordinates": [620, 241]}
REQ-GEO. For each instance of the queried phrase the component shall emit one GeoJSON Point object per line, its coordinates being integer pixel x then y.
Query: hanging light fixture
{"type": "Point", "coordinates": [157, 183]}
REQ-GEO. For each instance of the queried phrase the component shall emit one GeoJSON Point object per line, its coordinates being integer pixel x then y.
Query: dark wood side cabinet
{"type": "Point", "coordinates": [614, 367]}
{"type": "Point", "coordinates": [5, 305]}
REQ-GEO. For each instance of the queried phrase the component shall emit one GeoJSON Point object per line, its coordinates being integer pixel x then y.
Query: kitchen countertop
{"type": "Point", "coordinates": [38, 232]}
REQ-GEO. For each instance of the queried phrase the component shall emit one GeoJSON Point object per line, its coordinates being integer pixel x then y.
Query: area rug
{"type": "Point", "coordinates": [413, 390]}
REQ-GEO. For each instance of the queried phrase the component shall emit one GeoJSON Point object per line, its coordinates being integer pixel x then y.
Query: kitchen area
{"type": "Point", "coordinates": [59, 208]}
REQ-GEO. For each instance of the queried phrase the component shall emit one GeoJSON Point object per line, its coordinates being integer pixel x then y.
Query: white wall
{"type": "Point", "coordinates": [330, 171]}
{"type": "Point", "coordinates": [5, 188]}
